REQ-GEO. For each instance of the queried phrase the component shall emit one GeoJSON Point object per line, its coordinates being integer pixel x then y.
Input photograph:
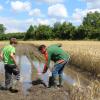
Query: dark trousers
{"type": "Point", "coordinates": [10, 70]}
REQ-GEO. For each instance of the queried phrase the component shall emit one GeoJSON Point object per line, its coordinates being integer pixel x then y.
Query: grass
{"type": "Point", "coordinates": [90, 92]}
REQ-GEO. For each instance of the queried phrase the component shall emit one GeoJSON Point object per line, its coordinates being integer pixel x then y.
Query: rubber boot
{"type": "Point", "coordinates": [52, 82]}
{"type": "Point", "coordinates": [60, 81]}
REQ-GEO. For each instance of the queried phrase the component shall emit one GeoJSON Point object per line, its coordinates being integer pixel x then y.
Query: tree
{"type": "Point", "coordinates": [67, 31]}
{"type": "Point", "coordinates": [43, 32]}
{"type": "Point", "coordinates": [2, 29]}
{"type": "Point", "coordinates": [29, 33]}
{"type": "Point", "coordinates": [80, 33]}
{"type": "Point", "coordinates": [91, 24]}
{"type": "Point", "coordinates": [56, 30]}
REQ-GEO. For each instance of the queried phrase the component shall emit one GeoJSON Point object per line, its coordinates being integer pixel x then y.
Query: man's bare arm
{"type": "Point", "coordinates": [1, 56]}
{"type": "Point", "coordinates": [13, 57]}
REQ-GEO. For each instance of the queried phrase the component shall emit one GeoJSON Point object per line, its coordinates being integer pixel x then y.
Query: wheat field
{"type": "Point", "coordinates": [84, 54]}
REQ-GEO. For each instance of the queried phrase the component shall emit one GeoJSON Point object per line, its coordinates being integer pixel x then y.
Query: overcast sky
{"type": "Point", "coordinates": [17, 15]}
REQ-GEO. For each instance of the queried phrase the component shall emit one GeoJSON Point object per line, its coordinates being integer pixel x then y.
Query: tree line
{"type": "Point", "coordinates": [89, 29]}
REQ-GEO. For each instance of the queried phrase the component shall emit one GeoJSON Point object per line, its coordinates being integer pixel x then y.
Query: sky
{"type": "Point", "coordinates": [18, 15]}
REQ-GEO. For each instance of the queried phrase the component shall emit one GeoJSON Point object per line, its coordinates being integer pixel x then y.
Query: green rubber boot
{"type": "Point", "coordinates": [60, 81]}
{"type": "Point", "coordinates": [52, 82]}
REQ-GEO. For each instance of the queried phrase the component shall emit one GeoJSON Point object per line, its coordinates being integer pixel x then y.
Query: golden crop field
{"type": "Point", "coordinates": [84, 54]}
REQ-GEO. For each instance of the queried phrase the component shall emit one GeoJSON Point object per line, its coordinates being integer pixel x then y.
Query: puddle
{"type": "Point", "coordinates": [1, 67]}
{"type": "Point", "coordinates": [25, 74]}
{"type": "Point", "coordinates": [45, 77]}
{"type": "Point", "coordinates": [2, 74]}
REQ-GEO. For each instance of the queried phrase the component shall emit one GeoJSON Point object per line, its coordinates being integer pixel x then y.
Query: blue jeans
{"type": "Point", "coordinates": [58, 69]}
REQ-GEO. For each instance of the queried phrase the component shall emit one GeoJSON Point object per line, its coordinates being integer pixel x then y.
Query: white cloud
{"type": "Point", "coordinates": [50, 1]}
{"type": "Point", "coordinates": [79, 14]}
{"type": "Point", "coordinates": [42, 21]}
{"type": "Point", "coordinates": [20, 6]}
{"type": "Point", "coordinates": [57, 10]}
{"type": "Point", "coordinates": [14, 25]}
{"type": "Point", "coordinates": [35, 12]}
{"type": "Point", "coordinates": [93, 4]}
{"type": "Point", "coordinates": [1, 7]}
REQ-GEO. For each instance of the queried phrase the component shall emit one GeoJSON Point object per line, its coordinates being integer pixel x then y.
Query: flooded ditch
{"type": "Point", "coordinates": [26, 73]}
{"type": "Point", "coordinates": [31, 76]}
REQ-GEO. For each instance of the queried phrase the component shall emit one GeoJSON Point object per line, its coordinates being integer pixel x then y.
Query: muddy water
{"type": "Point", "coordinates": [1, 73]}
{"type": "Point", "coordinates": [45, 77]}
{"type": "Point", "coordinates": [26, 73]}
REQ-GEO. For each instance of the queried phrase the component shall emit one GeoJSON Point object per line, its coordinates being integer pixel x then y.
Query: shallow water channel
{"type": "Point", "coordinates": [26, 70]}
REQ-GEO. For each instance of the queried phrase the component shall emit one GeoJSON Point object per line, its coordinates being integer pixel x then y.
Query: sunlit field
{"type": "Point", "coordinates": [84, 54]}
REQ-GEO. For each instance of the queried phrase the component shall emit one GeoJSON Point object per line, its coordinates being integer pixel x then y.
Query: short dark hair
{"type": "Point", "coordinates": [13, 41]}
{"type": "Point", "coordinates": [41, 46]}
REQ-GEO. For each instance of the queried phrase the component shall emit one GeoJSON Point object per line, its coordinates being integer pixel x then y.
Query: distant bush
{"type": "Point", "coordinates": [10, 35]}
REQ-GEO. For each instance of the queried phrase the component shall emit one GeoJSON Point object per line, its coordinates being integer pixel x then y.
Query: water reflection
{"type": "Point", "coordinates": [45, 77]}
{"type": "Point", "coordinates": [1, 67]}
{"type": "Point", "coordinates": [26, 71]}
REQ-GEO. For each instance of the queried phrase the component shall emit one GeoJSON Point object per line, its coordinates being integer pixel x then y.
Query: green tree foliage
{"type": "Point", "coordinates": [91, 24]}
{"type": "Point", "coordinates": [43, 32]}
{"type": "Point", "coordinates": [30, 33]}
{"type": "Point", "coordinates": [56, 30]}
{"type": "Point", "coordinates": [10, 35]}
{"type": "Point", "coordinates": [64, 30]}
{"type": "Point", "coordinates": [67, 31]}
{"type": "Point", "coordinates": [79, 33]}
{"type": "Point", "coordinates": [2, 29]}
{"type": "Point", "coordinates": [89, 29]}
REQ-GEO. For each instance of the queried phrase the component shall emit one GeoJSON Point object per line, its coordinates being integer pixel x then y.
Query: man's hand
{"type": "Point", "coordinates": [17, 67]}
{"type": "Point", "coordinates": [45, 69]}
{"type": "Point", "coordinates": [44, 72]}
